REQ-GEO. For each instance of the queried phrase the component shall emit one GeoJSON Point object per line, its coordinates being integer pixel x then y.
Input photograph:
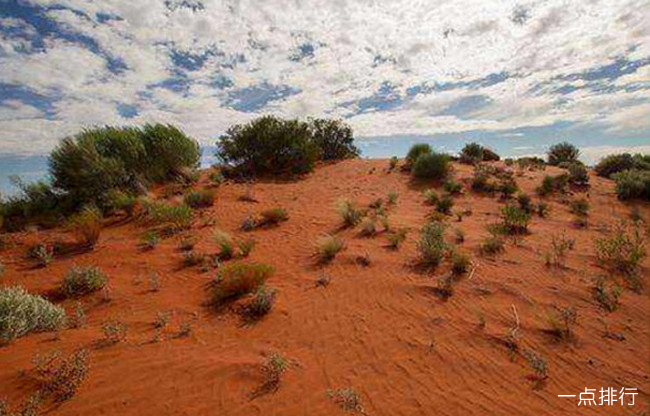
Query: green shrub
{"type": "Point", "coordinates": [246, 246]}
{"type": "Point", "coordinates": [481, 181]}
{"type": "Point", "coordinates": [261, 304]}
{"type": "Point", "coordinates": [612, 164]}
{"type": "Point", "coordinates": [392, 197]}
{"type": "Point", "coordinates": [121, 201]}
{"type": "Point", "coordinates": [86, 226]}
{"type": "Point", "coordinates": [327, 247]}
{"type": "Point", "coordinates": [42, 253]}
{"type": "Point", "coordinates": [608, 298]}
{"type": "Point", "coordinates": [334, 138]}
{"type": "Point", "coordinates": [552, 184]}
{"type": "Point", "coordinates": [508, 188]}
{"type": "Point", "coordinates": [274, 216]}
{"type": "Point", "coordinates": [392, 163]}
{"type": "Point", "coordinates": [525, 203]}
{"type": "Point", "coordinates": [531, 163]}
{"type": "Point", "coordinates": [350, 215]}
{"type": "Point", "coordinates": [22, 313]}
{"type": "Point", "coordinates": [432, 247]}
{"type": "Point", "coordinates": [562, 152]}
{"type": "Point", "coordinates": [216, 177]}
{"type": "Point", "coordinates": [580, 207]}
{"type": "Point", "coordinates": [444, 205]}
{"type": "Point", "coordinates": [199, 199]}
{"type": "Point", "coordinates": [474, 153]}
{"type": "Point", "coordinates": [90, 164]}
{"type": "Point", "coordinates": [81, 281]}
{"type": "Point", "coordinates": [150, 240]}
{"type": "Point", "coordinates": [515, 220]}
{"type": "Point", "coordinates": [238, 279]}
{"type": "Point", "coordinates": [623, 251]}
{"type": "Point", "coordinates": [578, 174]}
{"type": "Point", "coordinates": [431, 166]}
{"type": "Point", "coordinates": [453, 187]}
{"type": "Point", "coordinates": [416, 151]}
{"type": "Point", "coordinates": [542, 209]}
{"type": "Point", "coordinates": [490, 156]}
{"type": "Point", "coordinates": [560, 246]}
{"type": "Point", "coordinates": [631, 184]}
{"type": "Point", "coordinates": [36, 203]}
{"type": "Point", "coordinates": [268, 145]}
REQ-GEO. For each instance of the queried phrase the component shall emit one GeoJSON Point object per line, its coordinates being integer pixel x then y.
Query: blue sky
{"type": "Point", "coordinates": [515, 75]}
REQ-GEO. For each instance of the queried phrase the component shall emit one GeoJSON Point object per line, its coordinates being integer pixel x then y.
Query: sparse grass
{"type": "Point", "coordinates": [453, 187]}
{"type": "Point", "coordinates": [193, 258]}
{"type": "Point", "coordinates": [538, 364]}
{"type": "Point", "coordinates": [196, 199]}
{"type": "Point", "coordinates": [432, 247]}
{"type": "Point", "coordinates": [238, 279]}
{"type": "Point", "coordinates": [273, 216]}
{"type": "Point", "coordinates": [580, 207]}
{"type": "Point", "coordinates": [460, 263]}
{"type": "Point", "coordinates": [175, 217]}
{"type": "Point", "coordinates": [327, 247]}
{"type": "Point", "coordinates": [396, 238]}
{"type": "Point", "coordinates": [392, 197]}
{"type": "Point", "coordinates": [187, 243]}
{"type": "Point", "coordinates": [260, 305]}
{"type": "Point", "coordinates": [272, 371]}
{"type": "Point", "coordinates": [368, 227]}
{"type": "Point", "coordinates": [350, 215]}
{"type": "Point", "coordinates": [22, 313]}
{"type": "Point", "coordinates": [43, 254]}
{"type": "Point", "coordinates": [80, 281]}
{"type": "Point", "coordinates": [114, 332]}
{"type": "Point", "coordinates": [225, 243]}
{"type": "Point", "coordinates": [623, 250]}
{"type": "Point", "coordinates": [431, 196]}
{"type": "Point", "coordinates": [86, 226]}
{"type": "Point", "coordinates": [492, 245]}
{"type": "Point", "coordinates": [150, 240]}
{"type": "Point", "coordinates": [515, 220]}
{"type": "Point", "coordinates": [61, 378]}
{"type": "Point", "coordinates": [459, 236]}
{"type": "Point", "coordinates": [246, 246]}
{"type": "Point", "coordinates": [561, 323]}
{"type": "Point", "coordinates": [542, 209]}
{"type": "Point", "coordinates": [347, 399]}
{"type": "Point", "coordinates": [608, 298]}
{"type": "Point", "coordinates": [444, 205]}
{"type": "Point", "coordinates": [560, 246]}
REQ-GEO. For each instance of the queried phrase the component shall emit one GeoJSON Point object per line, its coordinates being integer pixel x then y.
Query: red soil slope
{"type": "Point", "coordinates": [379, 329]}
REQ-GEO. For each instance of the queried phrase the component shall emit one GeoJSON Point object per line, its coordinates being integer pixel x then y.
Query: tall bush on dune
{"type": "Point", "coordinates": [334, 138]}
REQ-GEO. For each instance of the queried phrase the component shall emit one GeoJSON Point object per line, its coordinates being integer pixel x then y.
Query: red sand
{"type": "Point", "coordinates": [378, 329]}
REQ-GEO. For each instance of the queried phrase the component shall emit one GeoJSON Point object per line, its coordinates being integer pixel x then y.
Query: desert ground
{"type": "Point", "coordinates": [378, 329]}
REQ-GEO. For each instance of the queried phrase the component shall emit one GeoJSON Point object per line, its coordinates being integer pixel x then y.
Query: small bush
{"type": "Point", "coordinates": [608, 298]}
{"type": "Point", "coordinates": [578, 174]}
{"type": "Point", "coordinates": [416, 151]}
{"type": "Point", "coordinates": [508, 188]}
{"type": "Point", "coordinates": [225, 243]}
{"type": "Point", "coordinates": [562, 322]}
{"type": "Point", "coordinates": [474, 153]}
{"type": "Point", "coordinates": [431, 196]}
{"type": "Point", "coordinates": [246, 247]}
{"type": "Point", "coordinates": [622, 251]}
{"type": "Point", "coordinates": [552, 184]}
{"type": "Point", "coordinates": [515, 220]}
{"type": "Point", "coordinates": [81, 281]}
{"type": "Point", "coordinates": [238, 279]}
{"type": "Point", "coordinates": [453, 187]}
{"type": "Point", "coordinates": [22, 313]}
{"type": "Point", "coordinates": [432, 247]}
{"type": "Point", "coordinates": [492, 245]}
{"type": "Point", "coordinates": [86, 226]}
{"type": "Point", "coordinates": [327, 247]}
{"type": "Point", "coordinates": [121, 201]}
{"type": "Point", "coordinates": [481, 181]}
{"type": "Point", "coordinates": [396, 238]}
{"type": "Point", "coordinates": [580, 207]}
{"type": "Point", "coordinates": [273, 216]}
{"type": "Point", "coordinates": [194, 258]}
{"type": "Point", "coordinates": [249, 223]}
{"type": "Point", "coordinates": [444, 205]}
{"type": "Point", "coordinates": [199, 199]}
{"type": "Point", "coordinates": [631, 184]}
{"type": "Point", "coordinates": [114, 332]}
{"type": "Point", "coordinates": [459, 236]}
{"type": "Point", "coordinates": [62, 378]}
{"type": "Point", "coordinates": [525, 203]}
{"type": "Point", "coordinates": [560, 245]}
{"type": "Point", "coordinates": [42, 253]}
{"type": "Point", "coordinates": [562, 152]}
{"type": "Point", "coordinates": [175, 217]}
{"type": "Point", "coordinates": [216, 177]}
{"type": "Point", "coordinates": [347, 399]}
{"type": "Point", "coordinates": [261, 304]}
{"type": "Point", "coordinates": [392, 163]}
{"type": "Point", "coordinates": [431, 166]}
{"type": "Point", "coordinates": [460, 263]}
{"type": "Point", "coordinates": [350, 215]}
{"type": "Point", "coordinates": [542, 209]}
{"type": "Point", "coordinates": [150, 240]}
{"type": "Point", "coordinates": [368, 227]}
{"type": "Point", "coordinates": [392, 197]}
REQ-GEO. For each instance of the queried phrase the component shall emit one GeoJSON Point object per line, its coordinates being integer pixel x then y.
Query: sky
{"type": "Point", "coordinates": [517, 75]}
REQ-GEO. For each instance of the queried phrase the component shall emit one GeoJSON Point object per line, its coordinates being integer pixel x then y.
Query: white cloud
{"type": "Point", "coordinates": [358, 46]}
